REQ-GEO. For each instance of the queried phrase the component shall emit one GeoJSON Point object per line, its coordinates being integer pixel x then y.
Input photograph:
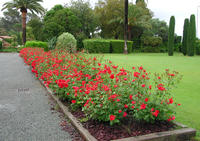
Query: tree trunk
{"type": "Point", "coordinates": [125, 26]}
{"type": "Point", "coordinates": [24, 27]}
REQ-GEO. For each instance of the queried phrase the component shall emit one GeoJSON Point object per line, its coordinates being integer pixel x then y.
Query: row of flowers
{"type": "Point", "coordinates": [104, 91]}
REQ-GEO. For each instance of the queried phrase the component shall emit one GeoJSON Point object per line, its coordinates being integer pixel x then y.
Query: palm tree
{"type": "Point", "coordinates": [24, 5]}
{"type": "Point", "coordinates": [125, 26]}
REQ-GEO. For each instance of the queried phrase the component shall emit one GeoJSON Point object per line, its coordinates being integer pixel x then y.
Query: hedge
{"type": "Point", "coordinates": [38, 44]}
{"type": "Point", "coordinates": [1, 44]}
{"type": "Point", "coordinates": [97, 45]}
{"type": "Point", "coordinates": [117, 46]}
{"type": "Point", "coordinates": [198, 47]}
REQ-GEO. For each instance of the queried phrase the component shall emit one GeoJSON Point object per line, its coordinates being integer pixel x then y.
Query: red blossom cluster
{"type": "Point", "coordinates": [104, 91]}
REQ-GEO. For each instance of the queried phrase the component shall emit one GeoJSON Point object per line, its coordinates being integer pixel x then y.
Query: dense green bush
{"type": "Point", "coordinates": [192, 36]}
{"type": "Point", "coordinates": [185, 37]}
{"type": "Point", "coordinates": [97, 45]}
{"type": "Point", "coordinates": [117, 46]}
{"type": "Point", "coordinates": [171, 36]}
{"type": "Point", "coordinates": [80, 37]}
{"type": "Point", "coordinates": [67, 42]}
{"type": "Point", "coordinates": [198, 47]}
{"type": "Point", "coordinates": [38, 44]}
{"type": "Point", "coordinates": [152, 49]}
{"type": "Point", "coordinates": [1, 44]}
{"type": "Point", "coordinates": [153, 41]}
{"type": "Point", "coordinates": [52, 43]}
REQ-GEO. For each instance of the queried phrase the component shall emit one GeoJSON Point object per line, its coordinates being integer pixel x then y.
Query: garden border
{"type": "Point", "coordinates": [183, 134]}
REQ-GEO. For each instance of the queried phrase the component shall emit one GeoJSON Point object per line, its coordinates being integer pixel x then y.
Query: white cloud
{"type": "Point", "coordinates": [162, 9]}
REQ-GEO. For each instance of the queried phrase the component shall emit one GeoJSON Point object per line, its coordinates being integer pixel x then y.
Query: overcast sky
{"type": "Point", "coordinates": [162, 9]}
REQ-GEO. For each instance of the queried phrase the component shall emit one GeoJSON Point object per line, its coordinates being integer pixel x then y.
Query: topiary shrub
{"type": "Point", "coordinates": [67, 42]}
{"type": "Point", "coordinates": [38, 44]}
{"type": "Point", "coordinates": [97, 45]}
{"type": "Point", "coordinates": [117, 46]}
{"type": "Point", "coordinates": [1, 44]}
{"type": "Point", "coordinates": [171, 36]}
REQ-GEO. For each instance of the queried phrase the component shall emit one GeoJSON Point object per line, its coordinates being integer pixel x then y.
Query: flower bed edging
{"type": "Point", "coordinates": [183, 134]}
{"type": "Point", "coordinates": [84, 132]}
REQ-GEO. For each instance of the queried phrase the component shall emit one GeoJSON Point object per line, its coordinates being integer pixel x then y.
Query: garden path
{"type": "Point", "coordinates": [25, 111]}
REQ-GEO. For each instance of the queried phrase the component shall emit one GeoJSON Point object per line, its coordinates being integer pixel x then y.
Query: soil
{"type": "Point", "coordinates": [104, 132]}
{"type": "Point", "coordinates": [65, 124]}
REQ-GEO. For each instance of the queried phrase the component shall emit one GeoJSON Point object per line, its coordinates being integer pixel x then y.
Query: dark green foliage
{"type": "Point", "coordinates": [153, 41]}
{"type": "Point", "coordinates": [39, 44]}
{"type": "Point", "coordinates": [149, 49]}
{"type": "Point", "coordinates": [117, 46]}
{"type": "Point", "coordinates": [185, 37]}
{"type": "Point", "coordinates": [80, 37]}
{"type": "Point", "coordinates": [97, 45]}
{"type": "Point", "coordinates": [198, 47]}
{"type": "Point", "coordinates": [192, 36]}
{"type": "Point", "coordinates": [171, 36]}
{"type": "Point", "coordinates": [52, 43]}
{"type": "Point", "coordinates": [8, 49]}
{"type": "Point", "coordinates": [1, 44]}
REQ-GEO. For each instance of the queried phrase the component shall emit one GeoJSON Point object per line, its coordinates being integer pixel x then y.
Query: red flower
{"type": "Point", "coordinates": [146, 100]}
{"type": "Point", "coordinates": [73, 101]}
{"type": "Point", "coordinates": [120, 111]}
{"type": "Point", "coordinates": [170, 101]}
{"type": "Point", "coordinates": [161, 88]}
{"type": "Point", "coordinates": [143, 106]}
{"type": "Point", "coordinates": [112, 117]}
{"type": "Point", "coordinates": [159, 77]}
{"type": "Point", "coordinates": [179, 104]}
{"type": "Point", "coordinates": [133, 102]}
{"type": "Point", "coordinates": [140, 68]}
{"type": "Point", "coordinates": [143, 85]}
{"type": "Point", "coordinates": [150, 87]}
{"type": "Point", "coordinates": [118, 100]}
{"type": "Point", "coordinates": [125, 106]}
{"type": "Point", "coordinates": [131, 97]}
{"type": "Point", "coordinates": [125, 114]}
{"type": "Point", "coordinates": [112, 76]}
{"type": "Point", "coordinates": [152, 109]}
{"type": "Point", "coordinates": [132, 107]}
{"type": "Point", "coordinates": [156, 113]}
{"type": "Point", "coordinates": [125, 79]}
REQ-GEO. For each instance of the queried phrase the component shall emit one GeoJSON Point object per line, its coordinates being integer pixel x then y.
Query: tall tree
{"type": "Point", "coordinates": [125, 26]}
{"type": "Point", "coordinates": [192, 36]}
{"type": "Point", "coordinates": [171, 36]}
{"type": "Point", "coordinates": [24, 6]}
{"type": "Point", "coordinates": [185, 37]}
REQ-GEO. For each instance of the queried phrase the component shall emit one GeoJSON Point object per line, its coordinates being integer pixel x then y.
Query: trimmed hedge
{"type": "Point", "coordinates": [1, 44]}
{"type": "Point", "coordinates": [38, 44]}
{"type": "Point", "coordinates": [198, 47]}
{"type": "Point", "coordinates": [117, 46]}
{"type": "Point", "coordinates": [97, 45]}
{"type": "Point", "coordinates": [106, 46]}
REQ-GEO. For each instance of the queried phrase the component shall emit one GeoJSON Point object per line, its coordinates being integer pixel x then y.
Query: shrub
{"type": "Point", "coordinates": [192, 36]}
{"type": "Point", "coordinates": [104, 91]}
{"type": "Point", "coordinates": [66, 41]}
{"type": "Point", "coordinates": [153, 41]}
{"type": "Point", "coordinates": [171, 36]}
{"type": "Point", "coordinates": [198, 47]}
{"type": "Point", "coordinates": [80, 38]}
{"type": "Point", "coordinates": [151, 49]}
{"type": "Point", "coordinates": [185, 37]}
{"type": "Point", "coordinates": [38, 44]}
{"type": "Point", "coordinates": [52, 43]}
{"type": "Point", "coordinates": [1, 44]}
{"type": "Point", "coordinates": [117, 46]}
{"type": "Point", "coordinates": [97, 45]}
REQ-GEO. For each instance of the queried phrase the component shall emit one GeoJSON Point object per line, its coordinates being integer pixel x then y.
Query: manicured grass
{"type": "Point", "coordinates": [188, 91]}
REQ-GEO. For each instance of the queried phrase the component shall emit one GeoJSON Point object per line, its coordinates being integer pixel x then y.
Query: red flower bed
{"type": "Point", "coordinates": [101, 89]}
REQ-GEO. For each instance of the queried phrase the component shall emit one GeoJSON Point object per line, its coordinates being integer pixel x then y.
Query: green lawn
{"type": "Point", "coordinates": [188, 91]}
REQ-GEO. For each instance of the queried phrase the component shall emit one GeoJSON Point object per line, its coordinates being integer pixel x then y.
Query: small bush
{"type": "Point", "coordinates": [38, 44]}
{"type": "Point", "coordinates": [153, 41]}
{"type": "Point", "coordinates": [52, 43]}
{"type": "Point", "coordinates": [117, 46]}
{"type": "Point", "coordinates": [1, 44]}
{"type": "Point", "coordinates": [80, 37]}
{"type": "Point", "coordinates": [152, 49]}
{"type": "Point", "coordinates": [97, 45]}
{"type": "Point", "coordinates": [67, 42]}
{"type": "Point", "coordinates": [198, 47]}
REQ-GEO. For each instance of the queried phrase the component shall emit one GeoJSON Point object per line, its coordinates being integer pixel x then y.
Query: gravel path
{"type": "Point", "coordinates": [25, 112]}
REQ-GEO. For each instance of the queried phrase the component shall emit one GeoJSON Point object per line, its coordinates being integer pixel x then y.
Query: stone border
{"type": "Point", "coordinates": [183, 134]}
